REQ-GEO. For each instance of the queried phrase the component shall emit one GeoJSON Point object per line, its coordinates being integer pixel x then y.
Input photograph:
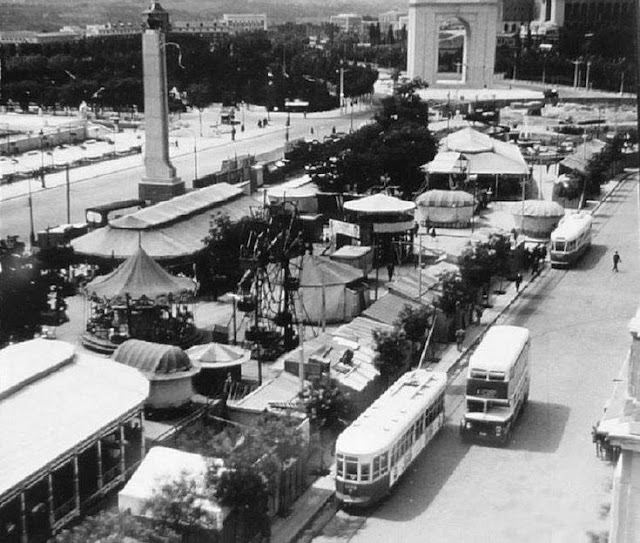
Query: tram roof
{"type": "Point", "coordinates": [571, 226]}
{"type": "Point", "coordinates": [390, 415]}
{"type": "Point", "coordinates": [499, 349]}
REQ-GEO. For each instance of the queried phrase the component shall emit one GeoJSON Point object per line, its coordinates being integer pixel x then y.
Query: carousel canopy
{"type": "Point", "coordinates": [139, 276]}
{"type": "Point", "coordinates": [318, 271]}
{"type": "Point", "coordinates": [379, 204]}
{"type": "Point", "coordinates": [445, 198]}
{"type": "Point", "coordinates": [538, 208]}
{"type": "Point", "coordinates": [155, 360]}
{"type": "Point", "coordinates": [217, 355]}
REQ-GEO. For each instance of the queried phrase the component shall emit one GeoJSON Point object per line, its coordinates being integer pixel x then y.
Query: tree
{"type": "Point", "coordinates": [415, 322]}
{"type": "Point", "coordinates": [392, 354]}
{"type": "Point", "coordinates": [456, 293]}
{"type": "Point", "coordinates": [181, 505]}
{"type": "Point", "coordinates": [324, 403]}
{"type": "Point", "coordinates": [114, 527]}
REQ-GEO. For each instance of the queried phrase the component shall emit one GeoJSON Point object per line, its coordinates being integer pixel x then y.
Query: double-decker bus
{"type": "Point", "coordinates": [378, 447]}
{"type": "Point", "coordinates": [497, 384]}
{"type": "Point", "coordinates": [571, 239]}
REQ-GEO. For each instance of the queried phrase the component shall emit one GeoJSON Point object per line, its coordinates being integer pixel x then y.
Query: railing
{"type": "Point", "coordinates": [237, 391]}
{"type": "Point", "coordinates": [64, 509]}
{"type": "Point", "coordinates": [187, 421]}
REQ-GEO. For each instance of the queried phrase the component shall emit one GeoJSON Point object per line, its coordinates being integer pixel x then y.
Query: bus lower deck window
{"type": "Point", "coordinates": [474, 406]}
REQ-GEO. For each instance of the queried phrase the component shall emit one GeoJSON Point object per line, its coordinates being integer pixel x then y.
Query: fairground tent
{"type": "Point", "coordinates": [139, 276]}
{"type": "Point", "coordinates": [445, 207]}
{"type": "Point", "coordinates": [473, 153]}
{"type": "Point", "coordinates": [328, 291]}
{"type": "Point", "coordinates": [537, 218]}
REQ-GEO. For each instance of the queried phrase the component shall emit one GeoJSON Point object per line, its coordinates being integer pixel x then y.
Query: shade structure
{"type": "Point", "coordinates": [538, 218]}
{"type": "Point", "coordinates": [217, 355]}
{"type": "Point", "coordinates": [305, 198]}
{"type": "Point", "coordinates": [379, 204]}
{"type": "Point", "coordinates": [449, 208]}
{"type": "Point", "coordinates": [139, 276]}
{"type": "Point", "coordinates": [168, 369]}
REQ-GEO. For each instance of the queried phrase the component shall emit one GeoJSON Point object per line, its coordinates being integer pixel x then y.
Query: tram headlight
{"type": "Point", "coordinates": [468, 425]}
{"type": "Point", "coordinates": [498, 430]}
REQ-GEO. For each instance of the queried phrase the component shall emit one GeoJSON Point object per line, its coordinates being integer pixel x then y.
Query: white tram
{"type": "Point", "coordinates": [378, 447]}
{"type": "Point", "coordinates": [571, 239]}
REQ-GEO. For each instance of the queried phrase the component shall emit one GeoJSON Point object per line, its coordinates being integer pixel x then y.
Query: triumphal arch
{"type": "Point", "coordinates": [453, 42]}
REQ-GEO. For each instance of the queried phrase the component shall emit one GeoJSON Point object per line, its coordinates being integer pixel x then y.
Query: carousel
{"type": "Point", "coordinates": [537, 218]}
{"type": "Point", "coordinates": [139, 300]}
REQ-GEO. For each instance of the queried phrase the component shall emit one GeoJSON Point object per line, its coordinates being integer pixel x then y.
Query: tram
{"type": "Point", "coordinates": [379, 446]}
{"type": "Point", "coordinates": [571, 239]}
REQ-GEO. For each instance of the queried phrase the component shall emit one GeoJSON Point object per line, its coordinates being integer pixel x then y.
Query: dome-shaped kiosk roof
{"type": "Point", "coordinates": [445, 198]}
{"type": "Point", "coordinates": [155, 360]}
{"type": "Point", "coordinates": [379, 204]}
{"type": "Point", "coordinates": [539, 208]}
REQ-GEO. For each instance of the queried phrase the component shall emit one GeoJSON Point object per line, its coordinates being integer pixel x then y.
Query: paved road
{"type": "Point", "coordinates": [118, 179]}
{"type": "Point", "coordinates": [548, 486]}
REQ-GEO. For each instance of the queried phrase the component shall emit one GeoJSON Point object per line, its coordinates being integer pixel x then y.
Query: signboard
{"type": "Point", "coordinates": [345, 228]}
{"type": "Point", "coordinates": [393, 227]}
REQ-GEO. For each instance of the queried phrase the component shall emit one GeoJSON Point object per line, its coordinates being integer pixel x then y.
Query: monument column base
{"type": "Point", "coordinates": [155, 191]}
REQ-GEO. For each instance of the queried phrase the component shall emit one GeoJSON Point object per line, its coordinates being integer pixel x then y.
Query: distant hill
{"type": "Point", "coordinates": [50, 15]}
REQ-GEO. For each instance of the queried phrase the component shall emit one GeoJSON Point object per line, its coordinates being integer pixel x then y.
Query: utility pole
{"type": "Point", "coordinates": [68, 183]}
{"type": "Point", "coordinates": [341, 85]}
{"type": "Point", "coordinates": [576, 70]}
{"type": "Point", "coordinates": [586, 84]}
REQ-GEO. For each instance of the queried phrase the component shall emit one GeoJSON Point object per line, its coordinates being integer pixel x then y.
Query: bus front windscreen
{"type": "Point", "coordinates": [488, 389]}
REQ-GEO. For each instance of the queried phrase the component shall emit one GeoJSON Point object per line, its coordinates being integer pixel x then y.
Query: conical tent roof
{"type": "Point", "coordinates": [445, 198]}
{"type": "Point", "coordinates": [217, 355]}
{"type": "Point", "coordinates": [318, 271]}
{"type": "Point", "coordinates": [139, 276]}
{"type": "Point", "coordinates": [469, 141]}
{"type": "Point", "coordinates": [379, 204]}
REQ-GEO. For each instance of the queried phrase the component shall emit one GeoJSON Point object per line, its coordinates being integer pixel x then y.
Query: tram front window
{"type": "Point", "coordinates": [351, 471]}
{"type": "Point", "coordinates": [559, 246]}
{"type": "Point", "coordinates": [364, 472]}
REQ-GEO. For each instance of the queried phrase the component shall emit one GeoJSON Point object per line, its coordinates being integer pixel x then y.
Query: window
{"type": "Point", "coordinates": [384, 463]}
{"type": "Point", "coordinates": [351, 468]}
{"type": "Point", "coordinates": [340, 465]}
{"type": "Point", "coordinates": [376, 467]}
{"type": "Point", "coordinates": [571, 246]}
{"type": "Point", "coordinates": [559, 246]}
{"type": "Point", "coordinates": [365, 472]}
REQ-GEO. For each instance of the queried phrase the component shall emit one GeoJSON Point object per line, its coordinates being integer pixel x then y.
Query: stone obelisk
{"type": "Point", "coordinates": [160, 181]}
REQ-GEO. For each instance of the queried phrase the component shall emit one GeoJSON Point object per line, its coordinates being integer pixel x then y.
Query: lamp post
{"type": "Point", "coordinates": [195, 160]}
{"type": "Point", "coordinates": [42, 139]}
{"type": "Point", "coordinates": [576, 72]}
{"type": "Point", "coordinates": [586, 83]}
{"type": "Point", "coordinates": [32, 232]}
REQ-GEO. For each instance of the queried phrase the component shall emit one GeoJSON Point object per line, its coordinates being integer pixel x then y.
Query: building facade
{"type": "Point", "coordinates": [72, 426]}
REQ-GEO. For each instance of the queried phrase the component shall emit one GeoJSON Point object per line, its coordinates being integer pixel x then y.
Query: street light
{"type": "Point", "coordinates": [42, 139]}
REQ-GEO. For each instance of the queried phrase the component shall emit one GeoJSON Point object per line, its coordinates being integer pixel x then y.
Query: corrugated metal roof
{"type": "Point", "coordinates": [60, 407]}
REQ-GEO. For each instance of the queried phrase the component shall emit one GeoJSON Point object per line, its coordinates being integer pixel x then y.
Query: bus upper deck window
{"type": "Point", "coordinates": [384, 463]}
{"type": "Point", "coordinates": [339, 465]}
{"type": "Point", "coordinates": [559, 246]}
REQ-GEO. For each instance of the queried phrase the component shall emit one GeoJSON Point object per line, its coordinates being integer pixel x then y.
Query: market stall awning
{"type": "Point", "coordinates": [379, 204]}
{"type": "Point", "coordinates": [319, 271]}
{"type": "Point", "coordinates": [445, 162]}
{"type": "Point", "coordinates": [139, 276]}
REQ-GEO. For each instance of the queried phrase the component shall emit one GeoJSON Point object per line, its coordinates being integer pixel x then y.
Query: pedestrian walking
{"type": "Point", "coordinates": [390, 269]}
{"type": "Point", "coordinates": [518, 281]}
{"type": "Point", "coordinates": [460, 335]}
{"type": "Point", "coordinates": [616, 260]}
{"type": "Point", "coordinates": [534, 268]}
{"type": "Point", "coordinates": [479, 312]}
{"type": "Point", "coordinates": [432, 233]}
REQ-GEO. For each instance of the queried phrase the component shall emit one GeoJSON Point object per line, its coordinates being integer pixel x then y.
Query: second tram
{"type": "Point", "coordinates": [378, 447]}
{"type": "Point", "coordinates": [571, 239]}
